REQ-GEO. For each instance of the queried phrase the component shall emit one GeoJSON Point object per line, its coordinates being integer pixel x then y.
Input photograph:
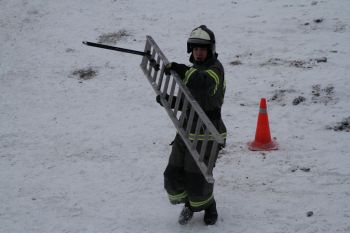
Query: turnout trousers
{"type": "Point", "coordinates": [183, 180]}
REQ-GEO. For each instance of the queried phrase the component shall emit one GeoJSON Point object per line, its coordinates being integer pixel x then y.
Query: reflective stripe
{"type": "Point", "coordinates": [211, 74]}
{"type": "Point", "coordinates": [263, 110]}
{"type": "Point", "coordinates": [177, 197]}
{"type": "Point", "coordinates": [201, 137]}
{"type": "Point", "coordinates": [216, 79]}
{"type": "Point", "coordinates": [197, 204]}
{"type": "Point", "coordinates": [188, 74]}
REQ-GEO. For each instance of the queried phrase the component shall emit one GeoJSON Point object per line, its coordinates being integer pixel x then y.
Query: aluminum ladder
{"type": "Point", "coordinates": [171, 85]}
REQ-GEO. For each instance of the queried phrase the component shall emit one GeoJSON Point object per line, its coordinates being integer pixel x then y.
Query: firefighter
{"type": "Point", "coordinates": [183, 180]}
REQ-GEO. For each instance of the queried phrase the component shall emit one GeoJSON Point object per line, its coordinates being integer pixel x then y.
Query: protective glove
{"type": "Point", "coordinates": [171, 66]}
{"type": "Point", "coordinates": [168, 68]}
{"type": "Point", "coordinates": [158, 100]}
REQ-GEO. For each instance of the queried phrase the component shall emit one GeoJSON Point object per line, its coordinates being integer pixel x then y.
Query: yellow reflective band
{"type": "Point", "coordinates": [211, 73]}
{"type": "Point", "coordinates": [214, 75]}
{"type": "Point", "coordinates": [188, 74]}
{"type": "Point", "coordinates": [216, 79]}
{"type": "Point", "coordinates": [177, 196]}
{"type": "Point", "coordinates": [201, 137]}
{"type": "Point", "coordinates": [200, 203]}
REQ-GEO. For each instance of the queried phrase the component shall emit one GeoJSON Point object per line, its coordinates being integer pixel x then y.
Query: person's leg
{"type": "Point", "coordinates": [200, 192]}
{"type": "Point", "coordinates": [211, 214]}
{"type": "Point", "coordinates": [174, 174]}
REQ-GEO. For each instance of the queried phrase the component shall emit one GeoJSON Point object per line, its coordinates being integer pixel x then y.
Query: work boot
{"type": "Point", "coordinates": [210, 214]}
{"type": "Point", "coordinates": [186, 214]}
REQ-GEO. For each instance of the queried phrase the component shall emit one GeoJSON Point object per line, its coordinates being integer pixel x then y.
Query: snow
{"type": "Point", "coordinates": [87, 155]}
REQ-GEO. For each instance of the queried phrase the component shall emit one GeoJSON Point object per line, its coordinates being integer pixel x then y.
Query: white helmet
{"type": "Point", "coordinates": [201, 37]}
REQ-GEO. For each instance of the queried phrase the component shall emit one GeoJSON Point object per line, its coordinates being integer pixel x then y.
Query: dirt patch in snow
{"type": "Point", "coordinates": [298, 100]}
{"type": "Point", "coordinates": [279, 96]}
{"type": "Point", "coordinates": [113, 37]}
{"type": "Point", "coordinates": [344, 125]}
{"type": "Point", "coordinates": [85, 73]}
{"type": "Point", "coordinates": [235, 63]}
{"type": "Point", "coordinates": [305, 64]}
{"type": "Point", "coordinates": [324, 95]}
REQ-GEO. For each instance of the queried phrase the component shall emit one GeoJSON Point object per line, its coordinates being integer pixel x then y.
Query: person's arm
{"type": "Point", "coordinates": [180, 69]}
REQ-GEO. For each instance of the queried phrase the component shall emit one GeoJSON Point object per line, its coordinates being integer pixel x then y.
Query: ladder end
{"type": "Point", "coordinates": [210, 179]}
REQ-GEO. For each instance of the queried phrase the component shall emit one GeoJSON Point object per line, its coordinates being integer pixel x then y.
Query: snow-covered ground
{"type": "Point", "coordinates": [86, 154]}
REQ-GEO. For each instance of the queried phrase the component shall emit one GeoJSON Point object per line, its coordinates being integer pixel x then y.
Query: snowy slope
{"type": "Point", "coordinates": [87, 154]}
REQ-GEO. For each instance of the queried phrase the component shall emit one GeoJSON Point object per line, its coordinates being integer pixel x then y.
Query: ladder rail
{"type": "Point", "coordinates": [186, 101]}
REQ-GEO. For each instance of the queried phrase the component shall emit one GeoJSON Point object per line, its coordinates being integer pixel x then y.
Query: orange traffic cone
{"type": "Point", "coordinates": [263, 140]}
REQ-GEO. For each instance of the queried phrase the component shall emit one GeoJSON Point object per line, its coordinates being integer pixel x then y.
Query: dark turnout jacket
{"type": "Point", "coordinates": [206, 82]}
